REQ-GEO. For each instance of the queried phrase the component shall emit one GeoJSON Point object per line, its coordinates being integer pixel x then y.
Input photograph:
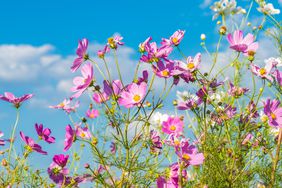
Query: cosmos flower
{"type": "Point", "coordinates": [226, 7]}
{"type": "Point", "coordinates": [267, 8]}
{"type": "Point", "coordinates": [2, 142]}
{"type": "Point", "coordinates": [173, 125]}
{"type": "Point", "coordinates": [275, 62]}
{"type": "Point", "coordinates": [163, 70]}
{"type": "Point", "coordinates": [16, 101]}
{"type": "Point", "coordinates": [175, 39]}
{"type": "Point", "coordinates": [44, 133]}
{"type": "Point", "coordinates": [65, 105]}
{"type": "Point", "coordinates": [236, 91]}
{"type": "Point", "coordinates": [113, 42]}
{"type": "Point", "coordinates": [144, 44]}
{"type": "Point", "coordinates": [82, 132]}
{"type": "Point", "coordinates": [155, 54]}
{"type": "Point", "coordinates": [31, 145]}
{"type": "Point", "coordinates": [156, 144]}
{"type": "Point", "coordinates": [112, 89]}
{"type": "Point", "coordinates": [242, 44]}
{"type": "Point", "coordinates": [82, 55]}
{"type": "Point", "coordinates": [191, 64]}
{"type": "Point", "coordinates": [83, 82]}
{"type": "Point", "coordinates": [278, 77]}
{"type": "Point", "coordinates": [101, 53]}
{"type": "Point", "coordinates": [132, 95]}
{"type": "Point", "coordinates": [92, 113]}
{"type": "Point", "coordinates": [273, 112]}
{"type": "Point", "coordinates": [264, 72]}
{"type": "Point", "coordinates": [57, 170]}
{"type": "Point", "coordinates": [69, 137]}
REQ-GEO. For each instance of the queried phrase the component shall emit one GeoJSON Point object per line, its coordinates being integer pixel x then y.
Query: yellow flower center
{"type": "Point", "coordinates": [62, 105]}
{"type": "Point", "coordinates": [262, 71]}
{"type": "Point", "coordinates": [176, 142]}
{"type": "Point", "coordinates": [273, 116]}
{"type": "Point", "coordinates": [174, 40]}
{"type": "Point", "coordinates": [190, 65]}
{"type": "Point", "coordinates": [165, 73]}
{"type": "Point", "coordinates": [172, 128]}
{"type": "Point", "coordinates": [136, 98]}
{"type": "Point", "coordinates": [111, 42]}
{"type": "Point", "coordinates": [251, 53]}
{"type": "Point", "coordinates": [185, 156]}
{"type": "Point", "coordinates": [82, 135]}
{"type": "Point", "coordinates": [92, 115]}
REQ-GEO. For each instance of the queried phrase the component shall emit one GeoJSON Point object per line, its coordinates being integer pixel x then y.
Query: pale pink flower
{"type": "Point", "coordinates": [83, 82]}
{"type": "Point", "coordinates": [175, 39]}
{"type": "Point", "coordinates": [191, 64]}
{"type": "Point", "coordinates": [16, 101]}
{"type": "Point", "coordinates": [65, 105]}
{"type": "Point", "coordinates": [92, 113]}
{"type": "Point", "coordinates": [264, 72]}
{"type": "Point", "coordinates": [132, 95]}
{"type": "Point", "coordinates": [82, 55]}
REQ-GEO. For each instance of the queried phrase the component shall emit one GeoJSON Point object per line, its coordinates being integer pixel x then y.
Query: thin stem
{"type": "Point", "coordinates": [13, 134]}
{"type": "Point", "coordinates": [276, 159]}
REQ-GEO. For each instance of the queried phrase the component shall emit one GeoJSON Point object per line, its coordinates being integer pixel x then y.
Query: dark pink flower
{"type": "Point", "coordinates": [31, 145]}
{"type": "Point", "coordinates": [240, 44]}
{"type": "Point", "coordinates": [82, 55]}
{"type": "Point", "coordinates": [155, 54]}
{"type": "Point", "coordinates": [83, 82]}
{"type": "Point", "coordinates": [69, 137]}
{"type": "Point", "coordinates": [61, 160]}
{"type": "Point", "coordinates": [100, 97]}
{"type": "Point", "coordinates": [44, 133]}
{"type": "Point", "coordinates": [173, 125]}
{"type": "Point", "coordinates": [10, 97]}
{"type": "Point", "coordinates": [113, 147]}
{"type": "Point", "coordinates": [273, 112]}
{"type": "Point", "coordinates": [156, 144]}
{"type": "Point", "coordinates": [143, 45]}
{"type": "Point", "coordinates": [236, 91]}
{"type": "Point", "coordinates": [2, 142]}
{"type": "Point", "coordinates": [112, 89]}
{"type": "Point", "coordinates": [132, 95]}
{"type": "Point", "coordinates": [57, 171]}
{"type": "Point", "coordinates": [101, 53]}
{"type": "Point", "coordinates": [163, 70]}
{"type": "Point", "coordinates": [144, 77]}
{"type": "Point", "coordinates": [278, 77]}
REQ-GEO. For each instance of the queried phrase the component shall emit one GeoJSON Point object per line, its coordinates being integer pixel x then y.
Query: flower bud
{"type": "Point", "coordinates": [203, 37]}
{"type": "Point", "coordinates": [86, 165]}
{"type": "Point", "coordinates": [222, 30]}
{"type": "Point", "coordinates": [4, 162]}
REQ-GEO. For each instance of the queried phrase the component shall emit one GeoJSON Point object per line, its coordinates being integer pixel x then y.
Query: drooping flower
{"type": "Point", "coordinates": [242, 44]}
{"type": "Point", "coordinates": [236, 91]}
{"type": "Point", "coordinates": [44, 133]}
{"type": "Point", "coordinates": [2, 142]}
{"type": "Point", "coordinates": [132, 95]}
{"type": "Point", "coordinates": [175, 39]}
{"type": "Point", "coordinates": [101, 53]}
{"type": "Point", "coordinates": [69, 137]}
{"type": "Point", "coordinates": [65, 105]}
{"type": "Point", "coordinates": [264, 72]}
{"type": "Point", "coordinates": [186, 101]}
{"type": "Point", "coordinates": [273, 112]}
{"type": "Point", "coordinates": [267, 8]}
{"type": "Point", "coordinates": [226, 7]}
{"type": "Point", "coordinates": [16, 101]}
{"type": "Point", "coordinates": [31, 145]}
{"type": "Point", "coordinates": [173, 125]}
{"type": "Point", "coordinates": [92, 113]}
{"type": "Point", "coordinates": [82, 55]}
{"type": "Point", "coordinates": [83, 82]}
{"type": "Point", "coordinates": [144, 77]}
{"type": "Point", "coordinates": [189, 153]}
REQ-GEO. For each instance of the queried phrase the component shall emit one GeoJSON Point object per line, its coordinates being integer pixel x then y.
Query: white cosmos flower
{"type": "Point", "coordinates": [157, 119]}
{"type": "Point", "coordinates": [276, 62]}
{"type": "Point", "coordinates": [185, 95]}
{"type": "Point", "coordinates": [267, 8]}
{"type": "Point", "coordinates": [226, 7]}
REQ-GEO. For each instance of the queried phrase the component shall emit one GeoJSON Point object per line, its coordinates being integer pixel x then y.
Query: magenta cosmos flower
{"type": "Point", "coordinates": [189, 153]}
{"type": "Point", "coordinates": [173, 125]}
{"type": "Point", "coordinates": [31, 145]}
{"type": "Point", "coordinates": [273, 112]}
{"type": "Point", "coordinates": [155, 54]}
{"type": "Point", "coordinates": [2, 142]}
{"type": "Point", "coordinates": [191, 64]}
{"type": "Point", "coordinates": [10, 97]}
{"type": "Point", "coordinates": [44, 133]}
{"type": "Point", "coordinates": [164, 70]}
{"type": "Point", "coordinates": [264, 72]}
{"type": "Point", "coordinates": [82, 55]}
{"type": "Point", "coordinates": [83, 82]}
{"type": "Point", "coordinates": [242, 44]}
{"type": "Point", "coordinates": [69, 137]}
{"type": "Point", "coordinates": [113, 42]}
{"type": "Point", "coordinates": [132, 95]}
{"type": "Point", "coordinates": [278, 77]}
{"type": "Point", "coordinates": [57, 170]}
{"type": "Point", "coordinates": [65, 105]}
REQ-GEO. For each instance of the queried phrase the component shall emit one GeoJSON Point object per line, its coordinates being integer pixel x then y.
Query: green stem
{"type": "Point", "coordinates": [13, 134]}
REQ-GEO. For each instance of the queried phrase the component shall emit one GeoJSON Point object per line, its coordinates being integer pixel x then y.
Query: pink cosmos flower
{"type": "Point", "coordinates": [144, 77]}
{"type": "Point", "coordinates": [264, 72]}
{"type": "Point", "coordinates": [32, 146]}
{"type": "Point", "coordinates": [163, 70]}
{"type": "Point", "coordinates": [173, 125]}
{"type": "Point", "coordinates": [156, 144]}
{"type": "Point", "coordinates": [132, 95]}
{"type": "Point", "coordinates": [155, 54]}
{"type": "Point", "coordinates": [189, 154]}
{"type": "Point", "coordinates": [57, 170]}
{"type": "Point", "coordinates": [2, 142]}
{"type": "Point", "coordinates": [82, 55]}
{"type": "Point", "coordinates": [70, 137]}
{"type": "Point", "coordinates": [273, 112]}
{"type": "Point", "coordinates": [144, 44]}
{"type": "Point", "coordinates": [65, 105]}
{"type": "Point", "coordinates": [82, 132]}
{"type": "Point", "coordinates": [82, 83]}
{"type": "Point", "coordinates": [113, 147]}
{"type": "Point", "coordinates": [10, 97]}
{"type": "Point", "coordinates": [163, 183]}
{"type": "Point", "coordinates": [175, 174]}
{"type": "Point", "coordinates": [92, 113]}
{"type": "Point", "coordinates": [175, 39]}
{"type": "Point", "coordinates": [191, 64]}
{"type": "Point", "coordinates": [113, 89]}
{"type": "Point", "coordinates": [101, 53]}
{"type": "Point", "coordinates": [100, 97]}
{"type": "Point", "coordinates": [236, 91]}
{"type": "Point", "coordinates": [113, 42]}
{"type": "Point", "coordinates": [240, 44]}
{"type": "Point", "coordinates": [44, 133]}
{"type": "Point", "coordinates": [61, 160]}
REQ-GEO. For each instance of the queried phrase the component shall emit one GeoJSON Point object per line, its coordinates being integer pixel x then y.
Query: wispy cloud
{"type": "Point", "coordinates": [205, 4]}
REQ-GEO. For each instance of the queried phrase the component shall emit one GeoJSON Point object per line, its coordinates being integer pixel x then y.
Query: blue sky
{"type": "Point", "coordinates": [38, 41]}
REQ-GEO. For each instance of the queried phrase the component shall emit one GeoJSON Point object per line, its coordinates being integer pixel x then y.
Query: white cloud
{"type": "Point", "coordinates": [205, 4]}
{"type": "Point", "coordinates": [64, 86]}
